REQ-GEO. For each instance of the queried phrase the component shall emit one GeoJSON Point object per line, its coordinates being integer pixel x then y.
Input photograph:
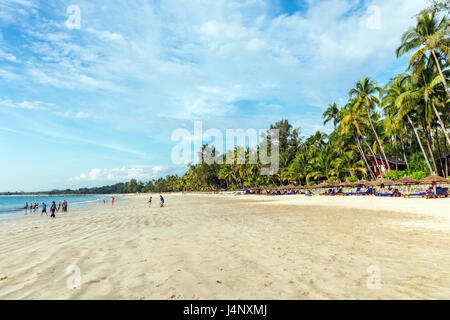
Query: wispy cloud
{"type": "Point", "coordinates": [28, 105]}
{"type": "Point", "coordinates": [123, 173]}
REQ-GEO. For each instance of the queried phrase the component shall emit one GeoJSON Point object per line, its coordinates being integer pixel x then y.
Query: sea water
{"type": "Point", "coordinates": [12, 207]}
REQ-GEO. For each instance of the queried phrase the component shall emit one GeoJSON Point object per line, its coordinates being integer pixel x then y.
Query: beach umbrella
{"type": "Point", "coordinates": [347, 184]}
{"type": "Point", "coordinates": [433, 179]}
{"type": "Point", "coordinates": [406, 181]}
{"type": "Point", "coordinates": [322, 185]}
{"type": "Point", "coordinates": [383, 181]}
{"type": "Point", "coordinates": [334, 184]}
{"type": "Point", "coordinates": [361, 182]}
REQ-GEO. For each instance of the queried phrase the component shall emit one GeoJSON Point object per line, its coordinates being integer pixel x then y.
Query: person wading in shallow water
{"type": "Point", "coordinates": [161, 201]}
{"type": "Point", "coordinates": [53, 209]}
{"type": "Point", "coordinates": [150, 202]}
{"type": "Point", "coordinates": [44, 209]}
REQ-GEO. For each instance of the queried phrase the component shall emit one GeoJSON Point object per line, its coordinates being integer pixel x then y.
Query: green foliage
{"type": "Point", "coordinates": [418, 175]}
{"type": "Point", "coordinates": [332, 179]}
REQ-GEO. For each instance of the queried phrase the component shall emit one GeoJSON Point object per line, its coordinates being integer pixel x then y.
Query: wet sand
{"type": "Point", "coordinates": [232, 247]}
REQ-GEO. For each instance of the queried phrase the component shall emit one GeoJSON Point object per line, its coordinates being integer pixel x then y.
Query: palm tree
{"type": "Point", "coordinates": [364, 94]}
{"type": "Point", "coordinates": [431, 35]}
{"type": "Point", "coordinates": [332, 113]}
{"type": "Point", "coordinates": [405, 97]}
{"type": "Point", "coordinates": [347, 164]}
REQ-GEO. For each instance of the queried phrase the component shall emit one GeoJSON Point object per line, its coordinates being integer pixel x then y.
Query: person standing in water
{"type": "Point", "coordinates": [26, 208]}
{"type": "Point", "coordinates": [58, 206]}
{"type": "Point", "coordinates": [161, 201]}
{"type": "Point", "coordinates": [112, 201]}
{"type": "Point", "coordinates": [44, 209]}
{"type": "Point", "coordinates": [150, 202]}
{"type": "Point", "coordinates": [53, 209]}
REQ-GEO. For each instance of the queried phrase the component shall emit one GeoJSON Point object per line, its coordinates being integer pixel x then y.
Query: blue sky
{"type": "Point", "coordinates": [97, 105]}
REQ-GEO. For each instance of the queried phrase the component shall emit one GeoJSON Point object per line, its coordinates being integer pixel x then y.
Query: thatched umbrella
{"type": "Point", "coordinates": [382, 181]}
{"type": "Point", "coordinates": [433, 179]}
{"type": "Point", "coordinates": [346, 184]}
{"type": "Point", "coordinates": [361, 183]}
{"type": "Point", "coordinates": [406, 181]}
{"type": "Point", "coordinates": [322, 185]}
{"type": "Point", "coordinates": [334, 184]}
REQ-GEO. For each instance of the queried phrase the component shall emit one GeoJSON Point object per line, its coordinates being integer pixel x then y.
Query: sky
{"type": "Point", "coordinates": [95, 101]}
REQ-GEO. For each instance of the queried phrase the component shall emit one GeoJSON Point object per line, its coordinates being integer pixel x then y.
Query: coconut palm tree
{"type": "Point", "coordinates": [364, 93]}
{"type": "Point", "coordinates": [354, 122]}
{"type": "Point", "coordinates": [428, 35]}
{"type": "Point", "coordinates": [332, 113]}
{"type": "Point", "coordinates": [401, 94]}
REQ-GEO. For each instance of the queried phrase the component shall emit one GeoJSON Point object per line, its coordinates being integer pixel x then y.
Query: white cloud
{"type": "Point", "coordinates": [124, 173]}
{"type": "Point", "coordinates": [75, 114]}
{"type": "Point", "coordinates": [116, 174]}
{"type": "Point", "coordinates": [174, 52]}
{"type": "Point", "coordinates": [28, 105]}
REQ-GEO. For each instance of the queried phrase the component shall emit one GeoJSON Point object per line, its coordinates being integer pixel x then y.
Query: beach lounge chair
{"type": "Point", "coordinates": [393, 193]}
{"type": "Point", "coordinates": [329, 192]}
{"type": "Point", "coordinates": [440, 193]}
{"type": "Point", "coordinates": [353, 193]}
{"type": "Point", "coordinates": [362, 193]}
{"type": "Point", "coordinates": [420, 194]}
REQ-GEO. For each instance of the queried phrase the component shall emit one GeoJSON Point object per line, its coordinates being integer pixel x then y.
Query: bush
{"type": "Point", "coordinates": [417, 175]}
{"type": "Point", "coordinates": [332, 179]}
{"type": "Point", "coordinates": [400, 174]}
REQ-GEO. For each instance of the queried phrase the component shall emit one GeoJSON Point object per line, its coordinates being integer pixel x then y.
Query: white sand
{"type": "Point", "coordinates": [233, 247]}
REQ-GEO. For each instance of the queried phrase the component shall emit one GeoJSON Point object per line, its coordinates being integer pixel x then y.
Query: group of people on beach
{"type": "Point", "coordinates": [161, 201]}
{"type": "Point", "coordinates": [53, 208]}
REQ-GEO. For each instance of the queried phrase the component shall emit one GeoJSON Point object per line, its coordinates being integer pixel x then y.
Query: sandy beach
{"type": "Point", "coordinates": [232, 247]}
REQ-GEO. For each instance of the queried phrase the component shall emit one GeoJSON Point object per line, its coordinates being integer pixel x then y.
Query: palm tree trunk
{"type": "Point", "coordinates": [427, 139]}
{"type": "Point", "coordinates": [446, 160]}
{"type": "Point", "coordinates": [396, 152]}
{"type": "Point", "coordinates": [444, 82]}
{"type": "Point", "coordinates": [379, 142]}
{"type": "Point", "coordinates": [404, 154]}
{"type": "Point", "coordinates": [373, 155]}
{"type": "Point", "coordinates": [420, 143]}
{"type": "Point", "coordinates": [440, 121]}
{"type": "Point", "coordinates": [439, 151]}
{"type": "Point", "coordinates": [364, 157]}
